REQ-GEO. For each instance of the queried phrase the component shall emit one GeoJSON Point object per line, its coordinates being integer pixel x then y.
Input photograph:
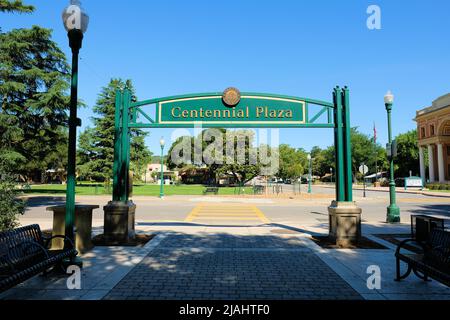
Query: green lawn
{"type": "Point", "coordinates": [138, 190]}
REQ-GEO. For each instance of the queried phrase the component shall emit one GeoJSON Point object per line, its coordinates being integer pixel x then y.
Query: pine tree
{"type": "Point", "coordinates": [96, 145]}
{"type": "Point", "coordinates": [34, 81]}
{"type": "Point", "coordinates": [15, 6]}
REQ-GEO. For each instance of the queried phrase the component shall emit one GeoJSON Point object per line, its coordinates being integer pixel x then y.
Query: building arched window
{"type": "Point", "coordinates": [422, 133]}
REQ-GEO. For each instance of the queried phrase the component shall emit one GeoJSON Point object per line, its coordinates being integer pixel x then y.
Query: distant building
{"type": "Point", "coordinates": [153, 173]}
{"type": "Point", "coordinates": [433, 128]}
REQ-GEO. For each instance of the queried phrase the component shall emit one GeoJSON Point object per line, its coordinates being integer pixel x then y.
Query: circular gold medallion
{"type": "Point", "coordinates": [231, 97]}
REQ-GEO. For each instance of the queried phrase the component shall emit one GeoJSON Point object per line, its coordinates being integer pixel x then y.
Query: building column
{"type": "Point", "coordinates": [441, 168]}
{"type": "Point", "coordinates": [422, 166]}
{"type": "Point", "coordinates": [431, 163]}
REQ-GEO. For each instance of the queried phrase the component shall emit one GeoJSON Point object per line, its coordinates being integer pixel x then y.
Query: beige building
{"type": "Point", "coordinates": [433, 128]}
{"type": "Point", "coordinates": [153, 172]}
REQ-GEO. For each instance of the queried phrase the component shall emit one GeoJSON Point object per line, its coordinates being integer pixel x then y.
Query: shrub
{"type": "Point", "coordinates": [384, 182]}
{"type": "Point", "coordinates": [10, 206]}
{"type": "Point", "coordinates": [437, 186]}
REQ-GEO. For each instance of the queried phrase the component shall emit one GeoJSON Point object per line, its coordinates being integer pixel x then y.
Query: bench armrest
{"type": "Point", "coordinates": [47, 240]}
{"type": "Point", "coordinates": [402, 244]}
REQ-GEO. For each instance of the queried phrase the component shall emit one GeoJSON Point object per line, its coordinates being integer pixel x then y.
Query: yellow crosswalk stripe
{"type": "Point", "coordinates": [261, 215]}
{"type": "Point", "coordinates": [226, 212]}
{"type": "Point", "coordinates": [194, 211]}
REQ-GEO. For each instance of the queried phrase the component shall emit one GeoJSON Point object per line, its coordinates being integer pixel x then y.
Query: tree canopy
{"type": "Point", "coordinates": [96, 145]}
{"type": "Point", "coordinates": [15, 6]}
{"type": "Point", "coordinates": [293, 162]}
{"type": "Point", "coordinates": [223, 152]}
{"type": "Point", "coordinates": [408, 154]}
{"type": "Point", "coordinates": [34, 83]}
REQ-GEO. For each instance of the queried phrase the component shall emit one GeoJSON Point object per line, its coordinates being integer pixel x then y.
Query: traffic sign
{"type": "Point", "coordinates": [363, 169]}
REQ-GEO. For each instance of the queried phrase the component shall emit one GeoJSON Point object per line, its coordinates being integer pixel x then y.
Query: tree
{"type": "Point", "coordinates": [15, 6]}
{"type": "Point", "coordinates": [363, 151]}
{"type": "Point", "coordinates": [85, 153]}
{"type": "Point", "coordinates": [10, 205]}
{"type": "Point", "coordinates": [140, 156]}
{"type": "Point", "coordinates": [240, 159]}
{"type": "Point", "coordinates": [96, 145]}
{"type": "Point", "coordinates": [408, 154]}
{"type": "Point", "coordinates": [322, 162]}
{"type": "Point", "coordinates": [292, 162]}
{"type": "Point", "coordinates": [34, 80]}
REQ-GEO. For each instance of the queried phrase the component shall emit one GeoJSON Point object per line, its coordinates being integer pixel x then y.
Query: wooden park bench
{"type": "Point", "coordinates": [433, 261]}
{"type": "Point", "coordinates": [214, 190]}
{"type": "Point", "coordinates": [24, 253]}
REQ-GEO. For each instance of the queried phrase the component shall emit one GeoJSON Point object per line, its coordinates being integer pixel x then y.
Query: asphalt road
{"type": "Point", "coordinates": [248, 211]}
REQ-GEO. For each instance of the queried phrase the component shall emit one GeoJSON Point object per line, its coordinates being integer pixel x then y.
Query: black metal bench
{"type": "Point", "coordinates": [433, 261]}
{"type": "Point", "coordinates": [214, 190]}
{"type": "Point", "coordinates": [24, 253]}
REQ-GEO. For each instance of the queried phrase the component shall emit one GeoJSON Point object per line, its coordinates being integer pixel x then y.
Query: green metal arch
{"type": "Point", "coordinates": [211, 94]}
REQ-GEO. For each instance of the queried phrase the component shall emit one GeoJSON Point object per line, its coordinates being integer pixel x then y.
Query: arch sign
{"type": "Point", "coordinates": [233, 109]}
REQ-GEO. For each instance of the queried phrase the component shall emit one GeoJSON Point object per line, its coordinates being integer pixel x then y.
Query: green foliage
{"type": "Point", "coordinates": [96, 145]}
{"type": "Point", "coordinates": [363, 151]}
{"type": "Point", "coordinates": [140, 156]}
{"type": "Point", "coordinates": [10, 206]}
{"type": "Point", "coordinates": [323, 161]}
{"type": "Point", "coordinates": [293, 162]}
{"type": "Point", "coordinates": [34, 80]}
{"type": "Point", "coordinates": [408, 154]}
{"type": "Point", "coordinates": [15, 6]}
{"type": "Point", "coordinates": [222, 163]}
{"type": "Point", "coordinates": [438, 186]}
{"type": "Point", "coordinates": [243, 166]}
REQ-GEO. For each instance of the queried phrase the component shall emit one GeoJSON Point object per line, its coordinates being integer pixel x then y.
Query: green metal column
{"type": "Point", "coordinates": [339, 145]}
{"type": "Point", "coordinates": [75, 40]}
{"type": "Point", "coordinates": [347, 146]}
{"type": "Point", "coordinates": [125, 144]}
{"type": "Point", "coordinates": [393, 211]}
{"type": "Point", "coordinates": [117, 148]}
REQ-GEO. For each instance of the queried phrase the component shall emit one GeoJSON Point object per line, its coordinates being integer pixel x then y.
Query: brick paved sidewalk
{"type": "Point", "coordinates": [224, 266]}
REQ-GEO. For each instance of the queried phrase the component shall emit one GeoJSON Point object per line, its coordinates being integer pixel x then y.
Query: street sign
{"type": "Point", "coordinates": [413, 182]}
{"type": "Point", "coordinates": [249, 110]}
{"type": "Point", "coordinates": [363, 169]}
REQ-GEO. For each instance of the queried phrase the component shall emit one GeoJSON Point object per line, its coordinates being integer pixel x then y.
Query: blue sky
{"type": "Point", "coordinates": [301, 48]}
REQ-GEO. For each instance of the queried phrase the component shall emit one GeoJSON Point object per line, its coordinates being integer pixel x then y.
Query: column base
{"type": "Point", "coordinates": [393, 214]}
{"type": "Point", "coordinates": [345, 223]}
{"type": "Point", "coordinates": [119, 222]}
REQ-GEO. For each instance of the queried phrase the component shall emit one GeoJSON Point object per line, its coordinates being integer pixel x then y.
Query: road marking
{"type": "Point", "coordinates": [241, 212]}
{"type": "Point", "coordinates": [260, 214]}
{"type": "Point", "coordinates": [418, 200]}
{"type": "Point", "coordinates": [193, 213]}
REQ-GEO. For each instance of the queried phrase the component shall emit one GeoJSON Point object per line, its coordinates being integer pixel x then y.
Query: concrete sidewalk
{"type": "Point", "coordinates": [269, 251]}
{"type": "Point", "coordinates": [397, 190]}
